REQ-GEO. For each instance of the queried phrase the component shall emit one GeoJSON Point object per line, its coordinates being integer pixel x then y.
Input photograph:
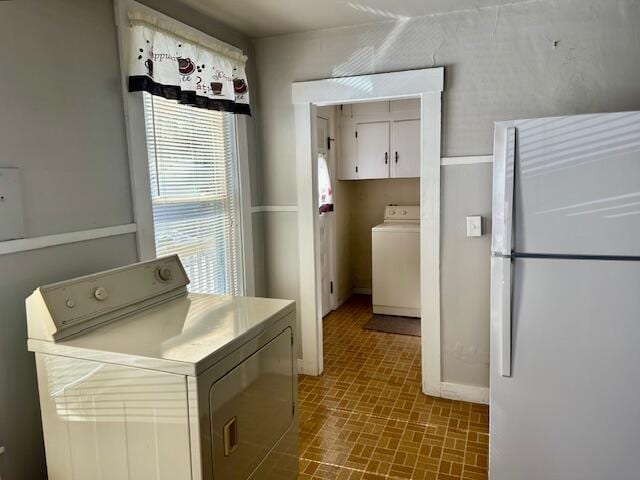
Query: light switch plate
{"type": "Point", "coordinates": [474, 226]}
{"type": "Point", "coordinates": [11, 211]}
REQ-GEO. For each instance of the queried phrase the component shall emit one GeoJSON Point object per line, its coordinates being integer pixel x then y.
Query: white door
{"type": "Point", "coordinates": [406, 151]}
{"type": "Point", "coordinates": [373, 149]}
{"type": "Point", "coordinates": [325, 222]}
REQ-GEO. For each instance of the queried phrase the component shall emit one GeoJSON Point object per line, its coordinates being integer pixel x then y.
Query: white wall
{"type": "Point", "coordinates": [528, 59]}
{"type": "Point", "coordinates": [62, 124]}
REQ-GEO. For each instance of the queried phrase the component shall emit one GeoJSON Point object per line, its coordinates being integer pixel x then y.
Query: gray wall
{"type": "Point", "coordinates": [466, 190]}
{"type": "Point", "coordinates": [62, 124]}
{"type": "Point", "coordinates": [535, 58]}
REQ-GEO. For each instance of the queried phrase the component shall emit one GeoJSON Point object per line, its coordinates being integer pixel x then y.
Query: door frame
{"type": "Point", "coordinates": [427, 85]}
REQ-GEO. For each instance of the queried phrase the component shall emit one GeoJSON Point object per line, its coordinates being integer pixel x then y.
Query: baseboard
{"type": "Point", "coordinates": [361, 291]}
{"type": "Point", "coordinates": [468, 393]}
{"type": "Point", "coordinates": [343, 300]}
{"type": "Point", "coordinates": [306, 369]}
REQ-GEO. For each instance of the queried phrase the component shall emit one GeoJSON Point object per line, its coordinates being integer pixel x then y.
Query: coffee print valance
{"type": "Point", "coordinates": [174, 66]}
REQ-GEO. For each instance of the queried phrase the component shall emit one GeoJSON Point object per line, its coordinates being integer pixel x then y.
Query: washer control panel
{"type": "Point", "coordinates": [83, 299]}
{"type": "Point", "coordinates": [402, 213]}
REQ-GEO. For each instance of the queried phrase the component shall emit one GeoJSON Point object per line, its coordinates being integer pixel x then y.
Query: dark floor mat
{"type": "Point", "coordinates": [394, 324]}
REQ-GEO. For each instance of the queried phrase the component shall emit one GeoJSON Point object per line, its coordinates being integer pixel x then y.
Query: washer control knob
{"type": "Point", "coordinates": [164, 274]}
{"type": "Point", "coordinates": [101, 294]}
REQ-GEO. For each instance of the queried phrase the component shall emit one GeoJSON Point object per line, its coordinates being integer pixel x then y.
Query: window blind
{"type": "Point", "coordinates": [194, 192]}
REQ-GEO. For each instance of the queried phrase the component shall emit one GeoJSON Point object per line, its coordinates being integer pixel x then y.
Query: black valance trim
{"type": "Point", "coordinates": [142, 83]}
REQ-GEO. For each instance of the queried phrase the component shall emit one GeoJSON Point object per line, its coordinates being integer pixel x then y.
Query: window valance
{"type": "Point", "coordinates": [192, 69]}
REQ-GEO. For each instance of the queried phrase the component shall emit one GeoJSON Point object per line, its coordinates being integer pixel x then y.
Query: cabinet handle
{"type": "Point", "coordinates": [386, 157]}
{"type": "Point", "coordinates": [230, 436]}
{"type": "Point", "coordinates": [397, 157]}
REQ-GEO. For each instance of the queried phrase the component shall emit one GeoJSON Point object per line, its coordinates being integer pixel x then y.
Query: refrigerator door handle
{"type": "Point", "coordinates": [505, 318]}
{"type": "Point", "coordinates": [503, 194]}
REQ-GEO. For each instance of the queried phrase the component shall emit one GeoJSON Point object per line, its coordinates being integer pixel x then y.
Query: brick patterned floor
{"type": "Point", "coordinates": [366, 418]}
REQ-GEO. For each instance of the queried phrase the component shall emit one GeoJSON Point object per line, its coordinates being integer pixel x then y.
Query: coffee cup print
{"type": "Point", "coordinates": [239, 86]}
{"type": "Point", "coordinates": [186, 66]}
{"type": "Point", "coordinates": [217, 88]}
{"type": "Point", "coordinates": [149, 64]}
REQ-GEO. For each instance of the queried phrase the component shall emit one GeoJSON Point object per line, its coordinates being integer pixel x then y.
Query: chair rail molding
{"type": "Point", "coordinates": [35, 243]}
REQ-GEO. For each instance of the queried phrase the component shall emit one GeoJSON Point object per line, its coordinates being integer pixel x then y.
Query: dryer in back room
{"type": "Point", "coordinates": [396, 262]}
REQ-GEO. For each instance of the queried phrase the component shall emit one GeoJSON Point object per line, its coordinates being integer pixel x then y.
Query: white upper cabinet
{"type": "Point", "coordinates": [379, 140]}
{"type": "Point", "coordinates": [406, 151]}
{"type": "Point", "coordinates": [372, 144]}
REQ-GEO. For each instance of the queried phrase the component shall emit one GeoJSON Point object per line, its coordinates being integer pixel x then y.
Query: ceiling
{"type": "Point", "coordinates": [263, 18]}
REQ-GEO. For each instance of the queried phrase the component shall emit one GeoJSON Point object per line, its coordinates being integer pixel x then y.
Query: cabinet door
{"type": "Point", "coordinates": [405, 161]}
{"type": "Point", "coordinates": [373, 150]}
{"type": "Point", "coordinates": [347, 144]}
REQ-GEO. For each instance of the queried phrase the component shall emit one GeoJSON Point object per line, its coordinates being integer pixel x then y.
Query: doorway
{"type": "Point", "coordinates": [427, 85]}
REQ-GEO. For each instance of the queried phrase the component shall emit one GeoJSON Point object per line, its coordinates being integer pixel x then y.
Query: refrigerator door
{"type": "Point", "coordinates": [577, 185]}
{"type": "Point", "coordinates": [570, 409]}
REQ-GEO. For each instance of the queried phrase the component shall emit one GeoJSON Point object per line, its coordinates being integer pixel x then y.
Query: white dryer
{"type": "Point", "coordinates": [140, 380]}
{"type": "Point", "coordinates": [396, 262]}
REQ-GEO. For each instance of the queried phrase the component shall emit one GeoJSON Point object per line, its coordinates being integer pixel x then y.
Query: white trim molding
{"type": "Point", "coordinates": [274, 208]}
{"type": "Point", "coordinates": [368, 88]}
{"type": "Point", "coordinates": [469, 160]}
{"type": "Point", "coordinates": [244, 185]}
{"type": "Point", "coordinates": [467, 393]}
{"type": "Point", "coordinates": [35, 243]}
{"type": "Point", "coordinates": [426, 84]}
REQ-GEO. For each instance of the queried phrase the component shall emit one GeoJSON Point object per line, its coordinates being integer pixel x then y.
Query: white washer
{"type": "Point", "coordinates": [396, 262]}
{"type": "Point", "coordinates": [140, 380]}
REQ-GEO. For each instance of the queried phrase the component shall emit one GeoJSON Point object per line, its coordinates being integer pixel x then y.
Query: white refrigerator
{"type": "Point", "coordinates": [565, 299]}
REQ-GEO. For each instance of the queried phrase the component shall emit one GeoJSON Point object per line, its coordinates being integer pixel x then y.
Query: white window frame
{"type": "Point", "coordinates": [139, 163]}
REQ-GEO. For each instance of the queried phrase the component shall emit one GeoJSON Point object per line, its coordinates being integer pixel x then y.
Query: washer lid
{"type": "Point", "coordinates": [183, 336]}
{"type": "Point", "coordinates": [405, 227]}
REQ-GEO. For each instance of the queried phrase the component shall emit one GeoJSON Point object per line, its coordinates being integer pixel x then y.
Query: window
{"type": "Point", "coordinates": [325, 192]}
{"type": "Point", "coordinates": [194, 192]}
